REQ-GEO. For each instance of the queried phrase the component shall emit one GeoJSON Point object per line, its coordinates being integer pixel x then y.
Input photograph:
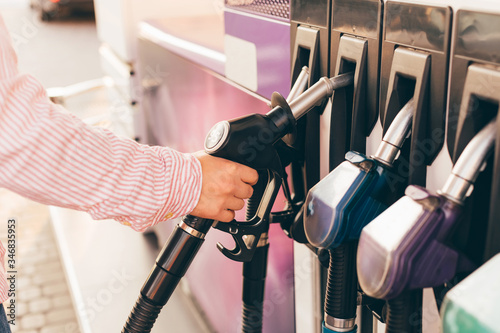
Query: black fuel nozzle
{"type": "Point", "coordinates": [252, 140]}
{"type": "Point", "coordinates": [243, 139]}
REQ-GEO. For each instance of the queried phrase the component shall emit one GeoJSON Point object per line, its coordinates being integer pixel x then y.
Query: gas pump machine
{"type": "Point", "coordinates": [389, 169]}
{"type": "Point", "coordinates": [226, 140]}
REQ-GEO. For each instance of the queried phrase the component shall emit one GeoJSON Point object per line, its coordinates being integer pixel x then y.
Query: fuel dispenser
{"type": "Point", "coordinates": [415, 61]}
{"type": "Point", "coordinates": [474, 101]}
{"type": "Point", "coordinates": [355, 46]}
{"type": "Point", "coordinates": [356, 31]}
{"type": "Point", "coordinates": [415, 53]}
{"type": "Point", "coordinates": [341, 204]}
{"type": "Point", "coordinates": [309, 36]}
{"type": "Point", "coordinates": [427, 239]}
{"type": "Point", "coordinates": [348, 120]}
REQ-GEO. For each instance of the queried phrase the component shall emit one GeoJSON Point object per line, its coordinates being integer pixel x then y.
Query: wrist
{"type": "Point", "coordinates": [183, 181]}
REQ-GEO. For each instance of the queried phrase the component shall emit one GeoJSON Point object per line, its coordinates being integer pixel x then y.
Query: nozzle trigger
{"type": "Point", "coordinates": [246, 236]}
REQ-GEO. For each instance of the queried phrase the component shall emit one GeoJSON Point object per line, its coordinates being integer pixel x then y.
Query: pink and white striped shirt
{"type": "Point", "coordinates": [52, 157]}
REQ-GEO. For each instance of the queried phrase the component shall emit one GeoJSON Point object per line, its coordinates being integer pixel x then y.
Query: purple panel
{"type": "Point", "coordinates": [272, 41]}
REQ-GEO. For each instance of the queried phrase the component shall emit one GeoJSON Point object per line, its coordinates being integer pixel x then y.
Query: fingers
{"type": "Point", "coordinates": [244, 191]}
{"type": "Point", "coordinates": [249, 175]}
{"type": "Point", "coordinates": [226, 216]}
{"type": "Point", "coordinates": [224, 186]}
{"type": "Point", "coordinates": [235, 204]}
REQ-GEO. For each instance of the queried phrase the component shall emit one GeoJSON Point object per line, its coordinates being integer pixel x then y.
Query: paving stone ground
{"type": "Point", "coordinates": [43, 302]}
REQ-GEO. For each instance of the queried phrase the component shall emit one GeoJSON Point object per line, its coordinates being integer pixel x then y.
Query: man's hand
{"type": "Point", "coordinates": [224, 186]}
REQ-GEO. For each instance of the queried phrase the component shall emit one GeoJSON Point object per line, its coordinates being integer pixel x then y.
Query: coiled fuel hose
{"type": "Point", "coordinates": [341, 288]}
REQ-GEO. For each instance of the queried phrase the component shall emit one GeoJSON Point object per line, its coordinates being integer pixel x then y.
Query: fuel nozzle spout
{"type": "Point", "coordinates": [285, 113]}
{"type": "Point", "coordinates": [393, 140]}
{"type": "Point", "coordinates": [322, 89]}
{"type": "Point", "coordinates": [300, 84]}
{"type": "Point", "coordinates": [470, 164]}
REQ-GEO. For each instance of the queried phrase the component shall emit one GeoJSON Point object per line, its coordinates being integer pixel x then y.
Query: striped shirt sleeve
{"type": "Point", "coordinates": [50, 156]}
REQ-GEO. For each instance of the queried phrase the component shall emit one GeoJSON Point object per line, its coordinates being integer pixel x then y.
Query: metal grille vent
{"type": "Point", "coordinates": [275, 8]}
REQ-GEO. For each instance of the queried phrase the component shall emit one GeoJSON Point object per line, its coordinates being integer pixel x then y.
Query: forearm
{"type": "Point", "coordinates": [54, 158]}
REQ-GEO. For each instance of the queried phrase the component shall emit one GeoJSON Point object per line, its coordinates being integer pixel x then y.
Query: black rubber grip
{"type": "Point", "coordinates": [171, 265]}
{"type": "Point", "coordinates": [197, 223]}
{"type": "Point", "coordinates": [258, 190]}
{"type": "Point", "coordinates": [404, 313]}
{"type": "Point", "coordinates": [142, 317]}
{"type": "Point", "coordinates": [252, 318]}
{"type": "Point", "coordinates": [341, 288]}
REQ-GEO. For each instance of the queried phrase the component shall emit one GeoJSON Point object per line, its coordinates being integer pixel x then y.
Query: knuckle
{"type": "Point", "coordinates": [228, 185]}
{"type": "Point", "coordinates": [232, 167]}
{"type": "Point", "coordinates": [232, 189]}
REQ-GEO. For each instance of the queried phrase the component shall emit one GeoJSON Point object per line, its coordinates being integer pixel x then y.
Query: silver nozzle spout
{"type": "Point", "coordinates": [396, 135]}
{"type": "Point", "coordinates": [300, 84]}
{"type": "Point", "coordinates": [470, 164]}
{"type": "Point", "coordinates": [318, 92]}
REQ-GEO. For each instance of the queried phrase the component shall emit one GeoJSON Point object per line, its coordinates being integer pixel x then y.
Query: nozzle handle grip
{"type": "Point", "coordinates": [342, 287]}
{"type": "Point", "coordinates": [404, 313]}
{"type": "Point", "coordinates": [171, 265]}
{"type": "Point", "coordinates": [142, 317]}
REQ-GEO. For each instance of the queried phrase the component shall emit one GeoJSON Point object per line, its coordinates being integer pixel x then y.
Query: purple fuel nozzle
{"type": "Point", "coordinates": [406, 246]}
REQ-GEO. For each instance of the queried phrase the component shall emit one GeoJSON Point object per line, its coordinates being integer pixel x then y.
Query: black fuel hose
{"type": "Point", "coordinates": [171, 265]}
{"type": "Point", "coordinates": [254, 271]}
{"type": "Point", "coordinates": [342, 289]}
{"type": "Point", "coordinates": [404, 313]}
{"type": "Point", "coordinates": [254, 279]}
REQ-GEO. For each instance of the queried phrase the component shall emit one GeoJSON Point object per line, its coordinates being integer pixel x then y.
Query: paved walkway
{"type": "Point", "coordinates": [43, 302]}
{"type": "Point", "coordinates": [58, 53]}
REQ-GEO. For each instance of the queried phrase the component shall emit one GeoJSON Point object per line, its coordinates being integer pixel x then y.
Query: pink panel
{"type": "Point", "coordinates": [186, 102]}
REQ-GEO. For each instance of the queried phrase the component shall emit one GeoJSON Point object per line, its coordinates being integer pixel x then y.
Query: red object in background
{"type": "Point", "coordinates": [50, 9]}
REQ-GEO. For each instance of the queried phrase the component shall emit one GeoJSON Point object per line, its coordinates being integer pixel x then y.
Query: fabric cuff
{"type": "Point", "coordinates": [184, 175]}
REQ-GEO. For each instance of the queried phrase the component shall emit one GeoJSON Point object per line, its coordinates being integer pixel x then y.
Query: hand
{"type": "Point", "coordinates": [224, 186]}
